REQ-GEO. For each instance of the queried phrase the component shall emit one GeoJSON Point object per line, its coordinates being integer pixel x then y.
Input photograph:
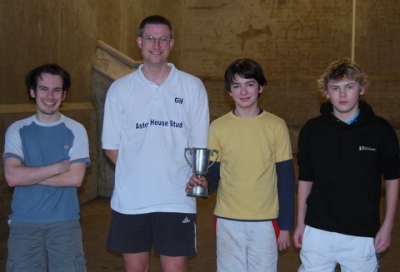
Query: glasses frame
{"type": "Point", "coordinates": [151, 41]}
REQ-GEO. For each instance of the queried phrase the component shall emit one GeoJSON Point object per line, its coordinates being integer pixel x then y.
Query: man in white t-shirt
{"type": "Point", "coordinates": [150, 117]}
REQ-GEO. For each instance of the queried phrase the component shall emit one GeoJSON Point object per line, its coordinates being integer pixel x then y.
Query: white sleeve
{"type": "Point", "coordinates": [13, 144]}
{"type": "Point", "coordinates": [112, 122]}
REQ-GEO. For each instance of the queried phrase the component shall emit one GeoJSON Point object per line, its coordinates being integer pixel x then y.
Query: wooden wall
{"type": "Point", "coordinates": [293, 40]}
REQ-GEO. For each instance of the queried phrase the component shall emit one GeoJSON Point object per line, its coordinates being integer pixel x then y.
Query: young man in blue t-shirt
{"type": "Point", "coordinates": [45, 159]}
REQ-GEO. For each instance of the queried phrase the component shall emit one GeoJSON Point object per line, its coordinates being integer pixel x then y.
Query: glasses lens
{"type": "Point", "coordinates": [150, 41]}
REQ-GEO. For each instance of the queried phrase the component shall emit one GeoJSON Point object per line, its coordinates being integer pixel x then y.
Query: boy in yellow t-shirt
{"type": "Point", "coordinates": [254, 176]}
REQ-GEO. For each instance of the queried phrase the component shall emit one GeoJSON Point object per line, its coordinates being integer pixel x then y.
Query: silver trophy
{"type": "Point", "coordinates": [199, 161]}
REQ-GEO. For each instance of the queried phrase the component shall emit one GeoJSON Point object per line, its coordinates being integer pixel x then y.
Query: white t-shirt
{"type": "Point", "coordinates": [151, 125]}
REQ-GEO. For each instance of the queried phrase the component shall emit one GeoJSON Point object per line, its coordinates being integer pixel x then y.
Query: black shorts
{"type": "Point", "coordinates": [171, 234]}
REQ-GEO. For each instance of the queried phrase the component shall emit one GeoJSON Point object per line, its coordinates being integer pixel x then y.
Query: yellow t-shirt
{"type": "Point", "coordinates": [248, 151]}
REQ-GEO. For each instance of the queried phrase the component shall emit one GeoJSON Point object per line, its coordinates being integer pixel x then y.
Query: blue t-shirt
{"type": "Point", "coordinates": [39, 144]}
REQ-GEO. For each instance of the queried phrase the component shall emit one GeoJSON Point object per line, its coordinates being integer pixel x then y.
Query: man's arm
{"type": "Point", "coordinates": [383, 237]}
{"type": "Point", "coordinates": [112, 155]}
{"type": "Point", "coordinates": [303, 190]}
{"type": "Point", "coordinates": [17, 174]}
{"type": "Point", "coordinates": [72, 178]}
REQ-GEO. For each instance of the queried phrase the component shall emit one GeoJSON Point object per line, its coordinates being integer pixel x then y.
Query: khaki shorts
{"type": "Point", "coordinates": [36, 247]}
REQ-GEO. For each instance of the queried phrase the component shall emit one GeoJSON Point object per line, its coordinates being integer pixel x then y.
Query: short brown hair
{"type": "Point", "coordinates": [157, 20]}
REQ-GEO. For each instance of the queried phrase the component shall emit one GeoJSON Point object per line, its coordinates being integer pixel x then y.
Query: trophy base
{"type": "Point", "coordinates": [198, 191]}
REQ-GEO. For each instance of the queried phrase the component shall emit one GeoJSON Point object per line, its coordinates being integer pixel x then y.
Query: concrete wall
{"type": "Point", "coordinates": [293, 40]}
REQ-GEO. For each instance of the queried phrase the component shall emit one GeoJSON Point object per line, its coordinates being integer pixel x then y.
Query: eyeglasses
{"type": "Point", "coordinates": [150, 41]}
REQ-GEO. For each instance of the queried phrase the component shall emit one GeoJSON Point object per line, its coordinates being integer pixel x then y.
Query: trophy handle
{"type": "Point", "coordinates": [211, 154]}
{"type": "Point", "coordinates": [188, 161]}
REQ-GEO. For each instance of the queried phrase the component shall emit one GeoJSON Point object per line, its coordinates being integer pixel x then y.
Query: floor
{"type": "Point", "coordinates": [95, 221]}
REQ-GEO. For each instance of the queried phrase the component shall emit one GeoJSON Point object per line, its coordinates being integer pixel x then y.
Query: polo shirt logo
{"type": "Point", "coordinates": [178, 100]}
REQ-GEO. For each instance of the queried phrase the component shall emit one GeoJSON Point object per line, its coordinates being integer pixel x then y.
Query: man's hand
{"type": "Point", "coordinates": [63, 166]}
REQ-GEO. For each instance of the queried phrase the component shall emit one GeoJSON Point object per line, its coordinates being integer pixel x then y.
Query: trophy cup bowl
{"type": "Point", "coordinates": [199, 161]}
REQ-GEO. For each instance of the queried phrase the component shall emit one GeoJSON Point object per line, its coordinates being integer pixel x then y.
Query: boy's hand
{"type": "Point", "coordinates": [283, 240]}
{"type": "Point", "coordinates": [298, 235]}
{"type": "Point", "coordinates": [196, 181]}
{"type": "Point", "coordinates": [382, 240]}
